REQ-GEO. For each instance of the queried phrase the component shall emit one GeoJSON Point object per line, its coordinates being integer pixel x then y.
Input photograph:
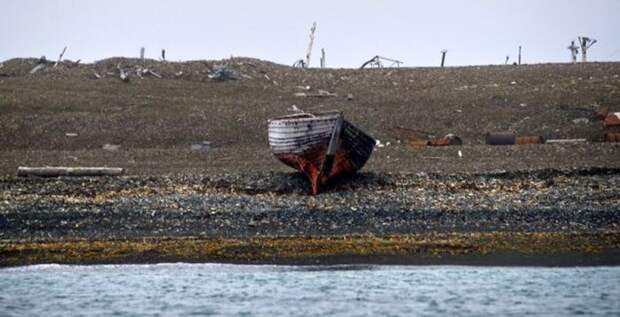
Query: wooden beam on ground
{"type": "Point", "coordinates": [556, 141]}
{"type": "Point", "coordinates": [37, 68]}
{"type": "Point", "coordinates": [68, 171]}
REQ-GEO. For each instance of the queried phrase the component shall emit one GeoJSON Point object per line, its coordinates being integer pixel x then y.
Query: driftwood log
{"type": "Point", "coordinates": [68, 171]}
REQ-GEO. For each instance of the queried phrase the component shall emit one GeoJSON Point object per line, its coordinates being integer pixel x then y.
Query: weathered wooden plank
{"type": "Point", "coordinates": [49, 171]}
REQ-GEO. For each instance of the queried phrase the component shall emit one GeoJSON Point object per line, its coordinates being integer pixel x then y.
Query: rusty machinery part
{"type": "Point", "coordinates": [377, 61]}
{"type": "Point", "coordinates": [612, 119]}
{"type": "Point", "coordinates": [449, 139]}
{"type": "Point", "coordinates": [612, 137]}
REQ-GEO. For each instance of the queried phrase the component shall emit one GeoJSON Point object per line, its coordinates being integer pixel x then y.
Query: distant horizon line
{"type": "Point", "coordinates": [291, 65]}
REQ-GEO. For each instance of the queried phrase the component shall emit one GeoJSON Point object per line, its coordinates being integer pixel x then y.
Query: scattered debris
{"type": "Point", "coordinates": [71, 134]}
{"type": "Point", "coordinates": [223, 72]}
{"type": "Point", "coordinates": [201, 146]}
{"type": "Point", "coordinates": [294, 108]}
{"type": "Point", "coordinates": [460, 153]}
{"type": "Point", "coordinates": [299, 64]}
{"type": "Point", "coordinates": [349, 97]}
{"type": "Point", "coordinates": [37, 68]}
{"type": "Point", "coordinates": [376, 62]}
{"type": "Point", "coordinates": [581, 121]}
{"type": "Point", "coordinates": [96, 75]}
{"type": "Point", "coordinates": [320, 94]}
{"type": "Point", "coordinates": [124, 76]}
{"type": "Point", "coordinates": [122, 73]}
{"type": "Point", "coordinates": [154, 74]}
{"type": "Point", "coordinates": [110, 147]}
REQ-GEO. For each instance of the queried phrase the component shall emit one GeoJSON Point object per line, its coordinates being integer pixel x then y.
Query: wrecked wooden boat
{"type": "Point", "coordinates": [320, 145]}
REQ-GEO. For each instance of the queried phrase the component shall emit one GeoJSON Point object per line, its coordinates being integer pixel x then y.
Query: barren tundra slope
{"type": "Point", "coordinates": [65, 115]}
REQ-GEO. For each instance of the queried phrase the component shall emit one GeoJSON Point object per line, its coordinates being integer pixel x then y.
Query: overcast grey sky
{"type": "Point", "coordinates": [475, 32]}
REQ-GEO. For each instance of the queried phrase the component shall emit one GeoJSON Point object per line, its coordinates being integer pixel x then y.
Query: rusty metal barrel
{"type": "Point", "coordinates": [529, 139]}
{"type": "Point", "coordinates": [500, 138]}
{"type": "Point", "coordinates": [511, 139]}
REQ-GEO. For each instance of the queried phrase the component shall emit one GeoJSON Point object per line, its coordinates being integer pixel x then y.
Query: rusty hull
{"type": "Point", "coordinates": [310, 162]}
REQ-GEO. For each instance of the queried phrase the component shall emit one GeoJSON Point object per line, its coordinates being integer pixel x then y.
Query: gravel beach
{"type": "Point", "coordinates": [560, 204]}
{"type": "Point", "coordinates": [275, 204]}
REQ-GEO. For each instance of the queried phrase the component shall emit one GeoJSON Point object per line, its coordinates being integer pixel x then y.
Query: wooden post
{"type": "Point", "coordinates": [574, 51]}
{"type": "Point", "coordinates": [330, 155]}
{"type": "Point", "coordinates": [309, 52]}
{"type": "Point", "coordinates": [585, 43]}
{"type": "Point", "coordinates": [163, 55]}
{"type": "Point", "coordinates": [142, 54]}
{"type": "Point", "coordinates": [507, 58]}
{"type": "Point", "coordinates": [584, 49]}
{"type": "Point", "coordinates": [68, 171]}
{"type": "Point", "coordinates": [519, 54]}
{"type": "Point", "coordinates": [322, 58]}
{"type": "Point", "coordinates": [60, 57]}
{"type": "Point", "coordinates": [443, 57]}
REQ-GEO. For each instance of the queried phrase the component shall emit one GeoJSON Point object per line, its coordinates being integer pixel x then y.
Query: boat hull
{"type": "Point", "coordinates": [303, 143]}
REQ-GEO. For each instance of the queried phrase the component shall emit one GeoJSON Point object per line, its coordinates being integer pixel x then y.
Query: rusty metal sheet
{"type": "Point", "coordinates": [418, 143]}
{"type": "Point", "coordinates": [612, 119]}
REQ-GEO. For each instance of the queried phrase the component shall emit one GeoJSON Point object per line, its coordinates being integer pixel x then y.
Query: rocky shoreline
{"type": "Point", "coordinates": [567, 205]}
{"type": "Point", "coordinates": [197, 160]}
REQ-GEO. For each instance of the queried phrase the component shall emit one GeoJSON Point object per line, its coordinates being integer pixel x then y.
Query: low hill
{"type": "Point", "coordinates": [67, 113]}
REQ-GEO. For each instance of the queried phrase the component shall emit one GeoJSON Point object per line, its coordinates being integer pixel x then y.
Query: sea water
{"type": "Point", "coordinates": [262, 290]}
